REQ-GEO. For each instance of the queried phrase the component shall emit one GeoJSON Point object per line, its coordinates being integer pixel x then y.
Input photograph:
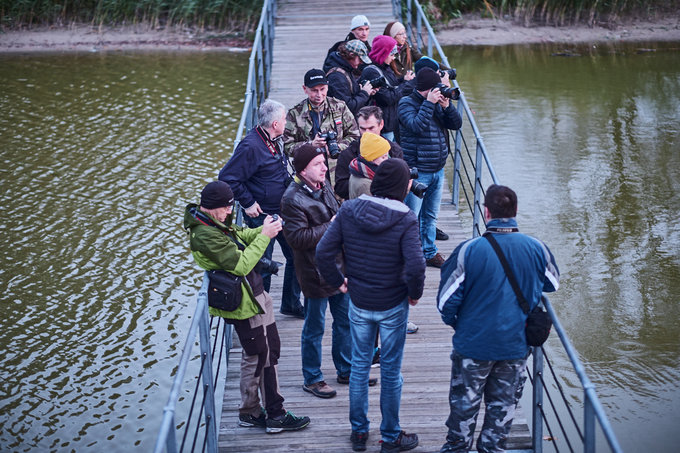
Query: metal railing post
{"type": "Point", "coordinates": [537, 401]}
{"type": "Point", "coordinates": [476, 214]}
{"type": "Point", "coordinates": [588, 424]}
{"type": "Point", "coordinates": [208, 388]}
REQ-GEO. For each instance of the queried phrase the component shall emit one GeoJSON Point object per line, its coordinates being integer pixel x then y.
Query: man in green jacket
{"type": "Point", "coordinates": [218, 244]}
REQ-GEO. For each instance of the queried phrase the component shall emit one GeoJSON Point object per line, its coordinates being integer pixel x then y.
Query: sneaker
{"type": "Point", "coordinates": [345, 380]}
{"type": "Point", "coordinates": [320, 389]}
{"type": "Point", "coordinates": [411, 327]}
{"type": "Point", "coordinates": [286, 422]}
{"type": "Point", "coordinates": [358, 441]}
{"type": "Point", "coordinates": [376, 358]}
{"type": "Point", "coordinates": [436, 261]}
{"type": "Point", "coordinates": [441, 236]}
{"type": "Point", "coordinates": [404, 442]}
{"type": "Point", "coordinates": [248, 421]}
{"type": "Point", "coordinates": [297, 313]}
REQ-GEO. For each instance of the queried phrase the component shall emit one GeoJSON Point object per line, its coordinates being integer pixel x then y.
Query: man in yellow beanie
{"type": "Point", "coordinates": [373, 151]}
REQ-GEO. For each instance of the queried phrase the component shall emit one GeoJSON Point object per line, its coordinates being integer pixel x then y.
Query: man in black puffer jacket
{"type": "Point", "coordinates": [379, 235]}
{"type": "Point", "coordinates": [425, 118]}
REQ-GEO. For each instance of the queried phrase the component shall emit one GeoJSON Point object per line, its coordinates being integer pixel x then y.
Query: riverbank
{"type": "Point", "coordinates": [469, 30]}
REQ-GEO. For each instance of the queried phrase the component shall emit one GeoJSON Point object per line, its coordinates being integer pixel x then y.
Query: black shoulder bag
{"type": "Point", "coordinates": [538, 323]}
{"type": "Point", "coordinates": [225, 291]}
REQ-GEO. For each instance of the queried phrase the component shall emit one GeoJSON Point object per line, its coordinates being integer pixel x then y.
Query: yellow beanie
{"type": "Point", "coordinates": [373, 146]}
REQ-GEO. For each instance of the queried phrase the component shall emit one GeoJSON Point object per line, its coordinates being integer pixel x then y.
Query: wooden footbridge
{"type": "Point", "coordinates": [305, 29]}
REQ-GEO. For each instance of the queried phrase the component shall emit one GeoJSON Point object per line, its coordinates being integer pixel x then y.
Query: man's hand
{"type": "Point", "coordinates": [343, 287]}
{"type": "Point", "coordinates": [254, 210]}
{"type": "Point", "coordinates": [409, 75]}
{"type": "Point", "coordinates": [270, 227]}
{"type": "Point", "coordinates": [319, 142]}
{"type": "Point", "coordinates": [368, 88]}
{"type": "Point", "coordinates": [434, 96]}
{"type": "Point", "coordinates": [412, 302]}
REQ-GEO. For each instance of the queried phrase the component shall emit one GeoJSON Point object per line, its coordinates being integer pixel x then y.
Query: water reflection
{"type": "Point", "coordinates": [591, 143]}
{"type": "Point", "coordinates": [100, 153]}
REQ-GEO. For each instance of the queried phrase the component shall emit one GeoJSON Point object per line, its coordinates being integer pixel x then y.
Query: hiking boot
{"type": "Point", "coordinates": [436, 261]}
{"type": "Point", "coordinates": [286, 422]}
{"type": "Point", "coordinates": [248, 421]}
{"type": "Point", "coordinates": [358, 441]}
{"type": "Point", "coordinates": [376, 358]}
{"type": "Point", "coordinates": [441, 236]}
{"type": "Point", "coordinates": [320, 389]}
{"type": "Point", "coordinates": [404, 442]}
{"type": "Point", "coordinates": [345, 380]}
{"type": "Point", "coordinates": [411, 327]}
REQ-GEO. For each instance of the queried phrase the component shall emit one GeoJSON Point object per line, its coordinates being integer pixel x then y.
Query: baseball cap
{"type": "Point", "coordinates": [315, 77]}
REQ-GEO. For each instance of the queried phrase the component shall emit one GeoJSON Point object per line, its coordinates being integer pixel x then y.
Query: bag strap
{"type": "Point", "coordinates": [508, 272]}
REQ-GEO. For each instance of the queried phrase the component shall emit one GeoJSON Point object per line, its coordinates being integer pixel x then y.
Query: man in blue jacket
{"type": "Point", "coordinates": [489, 344]}
{"type": "Point", "coordinates": [378, 235]}
{"type": "Point", "coordinates": [425, 118]}
{"type": "Point", "coordinates": [258, 174]}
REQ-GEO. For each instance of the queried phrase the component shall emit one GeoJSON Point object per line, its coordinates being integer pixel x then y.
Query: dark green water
{"type": "Point", "coordinates": [101, 152]}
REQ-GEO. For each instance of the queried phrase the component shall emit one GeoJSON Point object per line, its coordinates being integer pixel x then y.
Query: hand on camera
{"type": "Point", "coordinates": [271, 227]}
{"type": "Point", "coordinates": [319, 142]}
{"type": "Point", "coordinates": [368, 88]}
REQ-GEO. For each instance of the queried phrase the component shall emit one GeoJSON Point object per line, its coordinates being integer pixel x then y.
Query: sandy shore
{"type": "Point", "coordinates": [464, 31]}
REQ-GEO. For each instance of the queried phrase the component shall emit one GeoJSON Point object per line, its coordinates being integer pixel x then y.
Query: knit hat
{"type": "Point", "coordinates": [358, 47]}
{"type": "Point", "coordinates": [315, 77]}
{"type": "Point", "coordinates": [359, 21]}
{"type": "Point", "coordinates": [427, 79]}
{"type": "Point", "coordinates": [391, 180]}
{"type": "Point", "coordinates": [381, 48]}
{"type": "Point", "coordinates": [217, 194]}
{"type": "Point", "coordinates": [425, 62]}
{"type": "Point", "coordinates": [304, 155]}
{"type": "Point", "coordinates": [393, 29]}
{"type": "Point", "coordinates": [372, 146]}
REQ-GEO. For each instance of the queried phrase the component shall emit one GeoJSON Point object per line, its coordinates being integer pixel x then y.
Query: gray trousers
{"type": "Point", "coordinates": [500, 383]}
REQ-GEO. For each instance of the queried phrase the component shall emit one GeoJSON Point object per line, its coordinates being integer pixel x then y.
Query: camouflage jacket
{"type": "Point", "coordinates": [337, 116]}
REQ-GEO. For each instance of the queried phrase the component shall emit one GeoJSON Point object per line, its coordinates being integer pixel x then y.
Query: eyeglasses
{"type": "Point", "coordinates": [401, 33]}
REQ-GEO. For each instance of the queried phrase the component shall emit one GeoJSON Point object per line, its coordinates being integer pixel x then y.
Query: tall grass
{"type": "Point", "coordinates": [203, 14]}
{"type": "Point", "coordinates": [558, 12]}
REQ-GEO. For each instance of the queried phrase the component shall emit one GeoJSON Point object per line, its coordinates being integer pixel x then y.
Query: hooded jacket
{"type": "Point", "coordinates": [379, 237]}
{"type": "Point", "coordinates": [343, 84]}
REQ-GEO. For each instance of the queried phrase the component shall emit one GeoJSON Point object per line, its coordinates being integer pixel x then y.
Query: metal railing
{"type": "Point", "coordinates": [469, 171]}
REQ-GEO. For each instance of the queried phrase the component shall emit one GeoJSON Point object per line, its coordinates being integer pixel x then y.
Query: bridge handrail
{"type": "Point", "coordinates": [481, 165]}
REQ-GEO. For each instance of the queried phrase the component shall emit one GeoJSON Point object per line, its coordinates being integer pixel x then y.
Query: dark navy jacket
{"type": "Point", "coordinates": [422, 139]}
{"type": "Point", "coordinates": [388, 96]}
{"type": "Point", "coordinates": [384, 261]}
{"type": "Point", "coordinates": [343, 84]}
{"type": "Point", "coordinates": [254, 174]}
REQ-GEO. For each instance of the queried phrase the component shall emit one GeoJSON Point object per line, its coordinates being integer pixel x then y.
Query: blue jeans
{"type": "Point", "coordinates": [312, 334]}
{"type": "Point", "coordinates": [290, 295]}
{"type": "Point", "coordinates": [364, 324]}
{"type": "Point", "coordinates": [427, 209]}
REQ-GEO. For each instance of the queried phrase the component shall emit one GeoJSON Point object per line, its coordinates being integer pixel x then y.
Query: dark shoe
{"type": "Point", "coordinates": [436, 261]}
{"type": "Point", "coordinates": [441, 236]}
{"type": "Point", "coordinates": [248, 421]}
{"type": "Point", "coordinates": [404, 442]}
{"type": "Point", "coordinates": [286, 422]}
{"type": "Point", "coordinates": [358, 441]}
{"type": "Point", "coordinates": [297, 313]}
{"type": "Point", "coordinates": [376, 358]}
{"type": "Point", "coordinates": [320, 389]}
{"type": "Point", "coordinates": [345, 380]}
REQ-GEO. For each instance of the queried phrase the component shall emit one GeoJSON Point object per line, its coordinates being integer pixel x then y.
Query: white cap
{"type": "Point", "coordinates": [359, 21]}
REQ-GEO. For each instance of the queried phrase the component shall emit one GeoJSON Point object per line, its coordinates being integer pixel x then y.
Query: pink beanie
{"type": "Point", "coordinates": [381, 48]}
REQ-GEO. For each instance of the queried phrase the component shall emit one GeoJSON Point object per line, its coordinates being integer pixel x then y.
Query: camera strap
{"type": "Point", "coordinates": [524, 305]}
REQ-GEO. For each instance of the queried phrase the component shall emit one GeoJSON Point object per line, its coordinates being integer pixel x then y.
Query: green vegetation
{"type": "Point", "coordinates": [240, 15]}
{"type": "Point", "coordinates": [552, 12]}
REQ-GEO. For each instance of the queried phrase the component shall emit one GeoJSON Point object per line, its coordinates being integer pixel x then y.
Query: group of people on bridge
{"type": "Point", "coordinates": [357, 240]}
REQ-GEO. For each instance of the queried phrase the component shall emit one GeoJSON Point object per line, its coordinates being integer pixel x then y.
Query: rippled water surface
{"type": "Point", "coordinates": [100, 153]}
{"type": "Point", "coordinates": [591, 144]}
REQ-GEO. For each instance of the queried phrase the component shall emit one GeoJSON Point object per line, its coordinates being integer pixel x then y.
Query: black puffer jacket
{"type": "Point", "coordinates": [343, 84]}
{"type": "Point", "coordinates": [307, 215]}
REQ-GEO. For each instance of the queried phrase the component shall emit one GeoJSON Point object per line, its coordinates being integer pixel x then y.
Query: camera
{"type": "Point", "coordinates": [276, 217]}
{"type": "Point", "coordinates": [331, 138]}
{"type": "Point", "coordinates": [417, 188]}
{"type": "Point", "coordinates": [377, 82]}
{"type": "Point", "coordinates": [266, 267]}
{"type": "Point", "coordinates": [451, 93]}
{"type": "Point", "coordinates": [451, 72]}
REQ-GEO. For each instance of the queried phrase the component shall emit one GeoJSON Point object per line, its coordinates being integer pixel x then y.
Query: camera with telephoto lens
{"type": "Point", "coordinates": [377, 82]}
{"type": "Point", "coordinates": [417, 188]}
{"type": "Point", "coordinates": [451, 93]}
{"type": "Point", "coordinates": [451, 72]}
{"type": "Point", "coordinates": [267, 267]}
{"type": "Point", "coordinates": [331, 138]}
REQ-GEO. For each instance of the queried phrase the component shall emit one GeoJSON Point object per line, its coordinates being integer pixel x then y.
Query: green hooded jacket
{"type": "Point", "coordinates": [212, 249]}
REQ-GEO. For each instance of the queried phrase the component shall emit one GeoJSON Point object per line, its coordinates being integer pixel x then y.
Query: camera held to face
{"type": "Point", "coordinates": [451, 93]}
{"type": "Point", "coordinates": [331, 138]}
{"type": "Point", "coordinates": [451, 72]}
{"type": "Point", "coordinates": [417, 188]}
{"type": "Point", "coordinates": [375, 83]}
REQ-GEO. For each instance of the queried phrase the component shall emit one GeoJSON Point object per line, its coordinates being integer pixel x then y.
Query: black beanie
{"type": "Point", "coordinates": [217, 194]}
{"type": "Point", "coordinates": [391, 180]}
{"type": "Point", "coordinates": [427, 79]}
{"type": "Point", "coordinates": [304, 155]}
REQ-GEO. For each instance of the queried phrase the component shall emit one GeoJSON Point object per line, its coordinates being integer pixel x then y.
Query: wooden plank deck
{"type": "Point", "coordinates": [304, 31]}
